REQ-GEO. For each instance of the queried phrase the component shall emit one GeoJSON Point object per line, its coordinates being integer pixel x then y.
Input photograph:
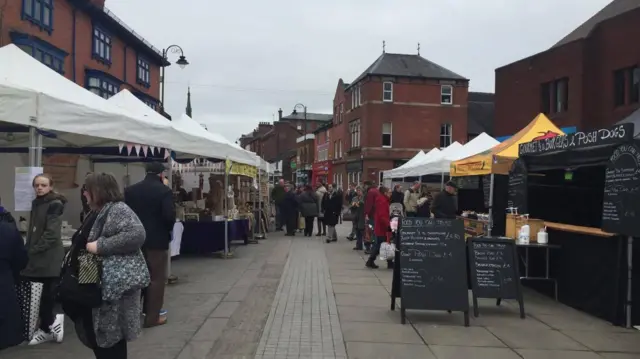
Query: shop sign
{"type": "Point", "coordinates": [354, 166]}
{"type": "Point", "coordinates": [579, 140]}
{"type": "Point", "coordinates": [293, 165]}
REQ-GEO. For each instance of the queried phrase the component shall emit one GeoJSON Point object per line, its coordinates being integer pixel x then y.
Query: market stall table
{"type": "Point", "coordinates": [208, 237]}
{"type": "Point", "coordinates": [525, 263]}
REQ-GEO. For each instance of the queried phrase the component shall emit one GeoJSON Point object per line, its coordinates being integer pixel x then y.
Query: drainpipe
{"type": "Point", "coordinates": [73, 44]}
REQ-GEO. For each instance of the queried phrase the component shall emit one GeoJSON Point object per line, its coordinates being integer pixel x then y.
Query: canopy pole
{"type": "Point", "coordinates": [227, 169]}
{"type": "Point", "coordinates": [260, 235]}
{"type": "Point", "coordinates": [442, 182]}
{"type": "Point", "coordinates": [629, 281]}
{"type": "Point", "coordinates": [490, 225]}
{"type": "Point", "coordinates": [35, 147]}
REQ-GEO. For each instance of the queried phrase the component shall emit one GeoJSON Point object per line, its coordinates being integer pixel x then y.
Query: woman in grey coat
{"type": "Point", "coordinates": [116, 237]}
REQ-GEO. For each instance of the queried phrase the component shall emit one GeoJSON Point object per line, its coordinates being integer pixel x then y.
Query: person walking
{"type": "Point", "coordinates": [370, 195]}
{"type": "Point", "coordinates": [322, 228]}
{"type": "Point", "coordinates": [45, 252]}
{"type": "Point", "coordinates": [411, 197]}
{"type": "Point", "coordinates": [332, 206]}
{"type": "Point", "coordinates": [351, 193]}
{"type": "Point", "coordinates": [13, 258]}
{"type": "Point", "coordinates": [277, 194]}
{"type": "Point", "coordinates": [444, 203]}
{"type": "Point", "coordinates": [308, 209]}
{"type": "Point", "coordinates": [357, 208]}
{"type": "Point", "coordinates": [289, 210]}
{"type": "Point", "coordinates": [381, 227]}
{"type": "Point", "coordinates": [152, 202]}
{"type": "Point", "coordinates": [112, 235]}
{"type": "Point", "coordinates": [397, 196]}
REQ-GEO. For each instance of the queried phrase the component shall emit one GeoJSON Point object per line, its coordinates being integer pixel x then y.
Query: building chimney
{"type": "Point", "coordinates": [279, 114]}
{"type": "Point", "coordinates": [97, 3]}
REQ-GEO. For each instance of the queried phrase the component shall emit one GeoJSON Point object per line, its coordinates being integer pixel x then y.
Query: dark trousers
{"type": "Point", "coordinates": [308, 226]}
{"type": "Point", "coordinates": [291, 222]}
{"type": "Point", "coordinates": [47, 302]}
{"type": "Point", "coordinates": [117, 351]}
{"type": "Point", "coordinates": [322, 228]}
{"type": "Point", "coordinates": [279, 221]}
{"type": "Point", "coordinates": [376, 249]}
{"type": "Point", "coordinates": [359, 233]}
{"type": "Point", "coordinates": [154, 293]}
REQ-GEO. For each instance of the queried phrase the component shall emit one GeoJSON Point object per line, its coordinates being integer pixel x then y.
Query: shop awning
{"type": "Point", "coordinates": [498, 159]}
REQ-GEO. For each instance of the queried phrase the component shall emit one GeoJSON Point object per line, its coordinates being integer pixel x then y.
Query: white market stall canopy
{"type": "Point", "coordinates": [418, 158]}
{"type": "Point", "coordinates": [481, 143]}
{"type": "Point", "coordinates": [432, 156]}
{"type": "Point", "coordinates": [32, 94]}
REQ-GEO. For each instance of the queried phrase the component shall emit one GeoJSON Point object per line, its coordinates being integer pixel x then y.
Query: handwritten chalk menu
{"type": "Point", "coordinates": [621, 203]}
{"type": "Point", "coordinates": [486, 190]}
{"type": "Point", "coordinates": [580, 140]}
{"type": "Point", "coordinates": [517, 188]}
{"type": "Point", "coordinates": [433, 268]}
{"type": "Point", "coordinates": [493, 264]}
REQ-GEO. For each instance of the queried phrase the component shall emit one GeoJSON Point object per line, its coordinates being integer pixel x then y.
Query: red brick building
{"type": "Point", "coordinates": [398, 106]}
{"type": "Point", "coordinates": [86, 43]}
{"type": "Point", "coordinates": [322, 165]}
{"type": "Point", "coordinates": [589, 79]}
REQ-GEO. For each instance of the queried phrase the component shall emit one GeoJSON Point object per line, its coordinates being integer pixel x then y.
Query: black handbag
{"type": "Point", "coordinates": [80, 280]}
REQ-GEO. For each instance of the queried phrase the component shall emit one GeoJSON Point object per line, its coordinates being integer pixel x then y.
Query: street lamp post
{"type": "Point", "coordinates": [182, 62]}
{"type": "Point", "coordinates": [304, 134]}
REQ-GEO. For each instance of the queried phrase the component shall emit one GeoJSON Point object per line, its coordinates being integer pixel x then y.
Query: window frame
{"type": "Point", "coordinates": [141, 70]}
{"type": "Point", "coordinates": [634, 84]}
{"type": "Point", "coordinates": [107, 43]}
{"type": "Point", "coordinates": [355, 131]}
{"type": "Point", "coordinates": [390, 134]}
{"type": "Point", "coordinates": [39, 50]}
{"type": "Point", "coordinates": [443, 94]}
{"type": "Point", "coordinates": [103, 85]}
{"type": "Point", "coordinates": [39, 19]}
{"type": "Point", "coordinates": [389, 91]}
{"type": "Point", "coordinates": [447, 127]}
{"type": "Point", "coordinates": [560, 105]}
{"type": "Point", "coordinates": [359, 96]}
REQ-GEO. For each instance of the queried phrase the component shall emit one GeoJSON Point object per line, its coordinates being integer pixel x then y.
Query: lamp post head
{"type": "Point", "coordinates": [182, 62]}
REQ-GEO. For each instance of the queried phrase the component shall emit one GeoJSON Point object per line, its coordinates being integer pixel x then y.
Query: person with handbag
{"type": "Point", "coordinates": [381, 227]}
{"type": "Point", "coordinates": [105, 271]}
{"type": "Point", "coordinates": [45, 252]}
{"type": "Point", "coordinates": [13, 258]}
{"type": "Point", "coordinates": [322, 227]}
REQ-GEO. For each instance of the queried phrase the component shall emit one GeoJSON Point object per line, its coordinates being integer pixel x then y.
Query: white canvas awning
{"type": "Point", "coordinates": [442, 164]}
{"type": "Point", "coordinates": [32, 94]}
{"type": "Point", "coordinates": [418, 158]}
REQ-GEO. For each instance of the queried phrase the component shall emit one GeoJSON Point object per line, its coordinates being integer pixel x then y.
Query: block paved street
{"type": "Point", "coordinates": [302, 298]}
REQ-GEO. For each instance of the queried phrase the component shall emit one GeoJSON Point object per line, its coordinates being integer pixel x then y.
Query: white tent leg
{"type": "Point", "coordinates": [490, 225]}
{"type": "Point", "coordinates": [35, 148]}
{"type": "Point", "coordinates": [226, 209]}
{"type": "Point", "coordinates": [260, 235]}
{"type": "Point", "coordinates": [442, 182]}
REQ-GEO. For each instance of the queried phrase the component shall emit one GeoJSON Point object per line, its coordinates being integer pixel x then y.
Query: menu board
{"type": "Point", "coordinates": [494, 273]}
{"type": "Point", "coordinates": [433, 266]}
{"type": "Point", "coordinates": [486, 190]}
{"type": "Point", "coordinates": [621, 203]}
{"type": "Point", "coordinates": [517, 189]}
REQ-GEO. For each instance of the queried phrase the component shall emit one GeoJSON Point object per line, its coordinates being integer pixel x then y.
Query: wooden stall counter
{"type": "Point", "coordinates": [474, 227]}
{"type": "Point", "coordinates": [516, 221]}
{"type": "Point", "coordinates": [592, 231]}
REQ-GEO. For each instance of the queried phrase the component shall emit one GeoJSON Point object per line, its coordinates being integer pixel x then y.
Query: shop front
{"type": "Point", "coordinates": [321, 172]}
{"type": "Point", "coordinates": [354, 172]}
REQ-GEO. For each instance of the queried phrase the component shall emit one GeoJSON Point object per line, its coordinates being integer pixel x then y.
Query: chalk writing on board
{"type": "Point", "coordinates": [575, 140]}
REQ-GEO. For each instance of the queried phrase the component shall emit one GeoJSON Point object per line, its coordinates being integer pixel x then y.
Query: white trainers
{"type": "Point", "coordinates": [40, 337]}
{"type": "Point", "coordinates": [56, 334]}
{"type": "Point", "coordinates": [58, 328]}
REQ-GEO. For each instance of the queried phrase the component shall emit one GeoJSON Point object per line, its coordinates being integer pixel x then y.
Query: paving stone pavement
{"type": "Point", "coordinates": [303, 321]}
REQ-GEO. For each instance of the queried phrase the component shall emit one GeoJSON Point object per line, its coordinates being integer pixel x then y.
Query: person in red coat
{"type": "Point", "coordinates": [381, 225]}
{"type": "Point", "coordinates": [371, 192]}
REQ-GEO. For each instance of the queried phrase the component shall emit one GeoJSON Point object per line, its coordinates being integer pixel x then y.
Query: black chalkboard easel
{"type": "Point", "coordinates": [621, 204]}
{"type": "Point", "coordinates": [430, 272]}
{"type": "Point", "coordinates": [494, 269]}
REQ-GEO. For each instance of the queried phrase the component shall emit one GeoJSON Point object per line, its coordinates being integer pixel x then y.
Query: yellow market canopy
{"type": "Point", "coordinates": [498, 159]}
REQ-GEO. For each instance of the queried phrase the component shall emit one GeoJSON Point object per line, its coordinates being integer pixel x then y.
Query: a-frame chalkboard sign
{"type": "Point", "coordinates": [494, 270]}
{"type": "Point", "coordinates": [430, 272]}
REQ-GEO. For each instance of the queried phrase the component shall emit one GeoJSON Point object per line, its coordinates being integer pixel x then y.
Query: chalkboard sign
{"type": "Point", "coordinates": [621, 204]}
{"type": "Point", "coordinates": [579, 140]}
{"type": "Point", "coordinates": [433, 266]}
{"type": "Point", "coordinates": [493, 264]}
{"type": "Point", "coordinates": [517, 190]}
{"type": "Point", "coordinates": [486, 190]}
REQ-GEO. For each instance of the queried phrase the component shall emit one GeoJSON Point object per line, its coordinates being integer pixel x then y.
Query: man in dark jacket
{"type": "Point", "coordinates": [351, 193]}
{"type": "Point", "coordinates": [13, 258]}
{"type": "Point", "coordinates": [277, 195]}
{"type": "Point", "coordinates": [289, 210]}
{"type": "Point", "coordinates": [397, 196]}
{"type": "Point", "coordinates": [152, 201]}
{"type": "Point", "coordinates": [444, 203]}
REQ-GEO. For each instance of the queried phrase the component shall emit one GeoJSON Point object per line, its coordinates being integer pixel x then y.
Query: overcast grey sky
{"type": "Point", "coordinates": [249, 58]}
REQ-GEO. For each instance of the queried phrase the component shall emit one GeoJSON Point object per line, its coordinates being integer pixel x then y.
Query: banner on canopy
{"type": "Point", "coordinates": [241, 169]}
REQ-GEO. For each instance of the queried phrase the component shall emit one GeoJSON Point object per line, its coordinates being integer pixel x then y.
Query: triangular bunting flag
{"type": "Point", "coordinates": [129, 149]}
{"type": "Point", "coordinates": [167, 153]}
{"type": "Point", "coordinates": [120, 147]}
{"type": "Point", "coordinates": [145, 150]}
{"type": "Point", "coordinates": [137, 147]}
{"type": "Point", "coordinates": [153, 150]}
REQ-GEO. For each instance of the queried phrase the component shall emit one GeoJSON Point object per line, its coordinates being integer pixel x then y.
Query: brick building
{"type": "Point", "coordinates": [589, 79]}
{"type": "Point", "coordinates": [322, 165]}
{"type": "Point", "coordinates": [86, 43]}
{"type": "Point", "coordinates": [398, 106]}
{"type": "Point", "coordinates": [278, 141]}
